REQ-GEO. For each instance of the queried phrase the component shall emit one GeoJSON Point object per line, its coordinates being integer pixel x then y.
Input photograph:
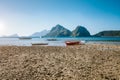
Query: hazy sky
{"type": "Point", "coordinates": [28, 16]}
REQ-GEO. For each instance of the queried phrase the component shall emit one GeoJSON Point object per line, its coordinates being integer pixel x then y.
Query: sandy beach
{"type": "Point", "coordinates": [83, 62]}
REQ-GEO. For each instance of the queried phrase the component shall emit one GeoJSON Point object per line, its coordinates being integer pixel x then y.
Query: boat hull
{"type": "Point", "coordinates": [24, 38]}
{"type": "Point", "coordinates": [51, 39]}
{"type": "Point", "coordinates": [72, 42]}
{"type": "Point", "coordinates": [39, 43]}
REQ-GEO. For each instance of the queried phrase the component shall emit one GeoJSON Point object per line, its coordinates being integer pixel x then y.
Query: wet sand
{"type": "Point", "coordinates": [83, 62]}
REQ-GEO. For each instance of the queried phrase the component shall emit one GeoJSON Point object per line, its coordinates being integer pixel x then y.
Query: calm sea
{"type": "Point", "coordinates": [59, 41]}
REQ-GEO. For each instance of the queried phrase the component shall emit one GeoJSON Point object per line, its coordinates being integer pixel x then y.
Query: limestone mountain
{"type": "Point", "coordinates": [80, 31]}
{"type": "Point", "coordinates": [58, 31]}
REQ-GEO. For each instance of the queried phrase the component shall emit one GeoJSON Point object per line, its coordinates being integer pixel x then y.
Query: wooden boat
{"type": "Point", "coordinates": [24, 38]}
{"type": "Point", "coordinates": [39, 43]}
{"type": "Point", "coordinates": [75, 42]}
{"type": "Point", "coordinates": [72, 42]}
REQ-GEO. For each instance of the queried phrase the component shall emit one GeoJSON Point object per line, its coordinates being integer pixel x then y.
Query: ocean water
{"type": "Point", "coordinates": [59, 41]}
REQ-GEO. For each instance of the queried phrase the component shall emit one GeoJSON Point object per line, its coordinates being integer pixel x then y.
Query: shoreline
{"type": "Point", "coordinates": [81, 62]}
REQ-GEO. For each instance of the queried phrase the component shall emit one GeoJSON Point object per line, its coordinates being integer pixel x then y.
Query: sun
{"type": "Point", "coordinates": [2, 28]}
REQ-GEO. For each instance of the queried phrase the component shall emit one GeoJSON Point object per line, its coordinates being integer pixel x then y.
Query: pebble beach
{"type": "Point", "coordinates": [81, 62]}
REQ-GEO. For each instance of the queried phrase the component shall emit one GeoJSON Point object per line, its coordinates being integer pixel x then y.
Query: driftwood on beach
{"type": "Point", "coordinates": [82, 62]}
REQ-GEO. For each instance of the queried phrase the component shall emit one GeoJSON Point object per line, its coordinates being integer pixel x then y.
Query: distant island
{"type": "Point", "coordinates": [60, 31]}
{"type": "Point", "coordinates": [40, 34]}
{"type": "Point", "coordinates": [110, 33]}
{"type": "Point", "coordinates": [79, 31]}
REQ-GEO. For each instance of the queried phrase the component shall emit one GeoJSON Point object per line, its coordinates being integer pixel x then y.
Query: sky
{"type": "Point", "coordinates": [25, 17]}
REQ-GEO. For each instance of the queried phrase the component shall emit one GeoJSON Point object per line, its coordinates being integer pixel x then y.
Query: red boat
{"type": "Point", "coordinates": [72, 42]}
